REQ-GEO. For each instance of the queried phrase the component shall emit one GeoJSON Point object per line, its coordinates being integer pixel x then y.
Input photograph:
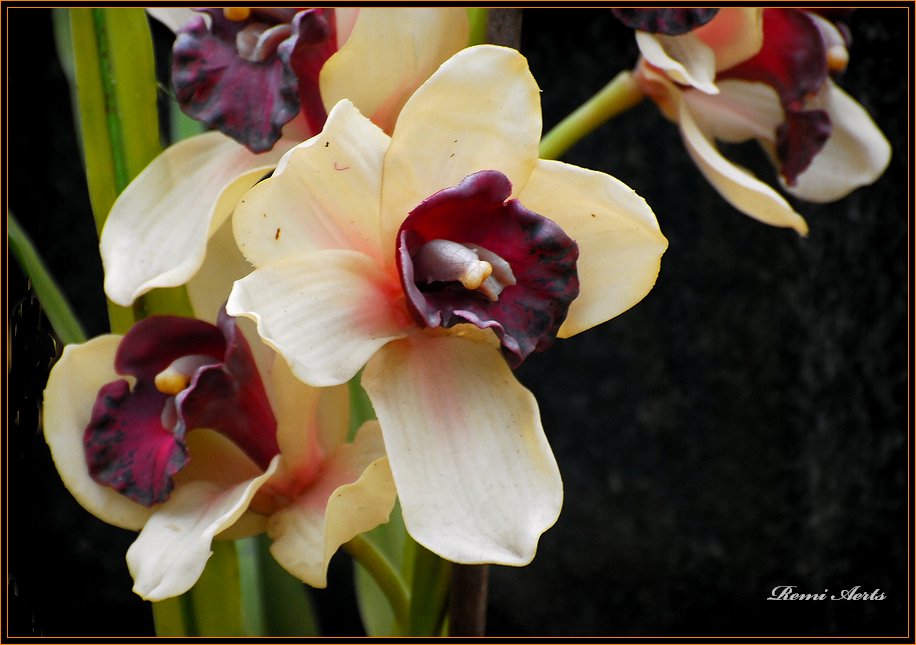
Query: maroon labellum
{"type": "Point", "coordinates": [469, 254]}
{"type": "Point", "coordinates": [187, 374]}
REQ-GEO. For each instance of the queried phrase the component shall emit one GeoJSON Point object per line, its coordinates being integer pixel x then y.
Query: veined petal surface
{"type": "Point", "coordinates": [157, 231]}
{"type": "Point", "coordinates": [324, 195]}
{"type": "Point", "coordinates": [479, 111]}
{"type": "Point", "coordinates": [855, 155]}
{"type": "Point", "coordinates": [68, 399]}
{"type": "Point", "coordinates": [403, 46]}
{"type": "Point", "coordinates": [353, 494]}
{"type": "Point", "coordinates": [620, 244]}
{"type": "Point", "coordinates": [476, 478]}
{"type": "Point", "coordinates": [326, 312]}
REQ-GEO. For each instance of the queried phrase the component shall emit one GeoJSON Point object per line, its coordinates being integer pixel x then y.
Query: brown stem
{"type": "Point", "coordinates": [504, 27]}
{"type": "Point", "coordinates": [467, 610]}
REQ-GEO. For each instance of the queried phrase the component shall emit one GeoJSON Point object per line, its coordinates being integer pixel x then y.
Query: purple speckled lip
{"type": "Point", "coordinates": [247, 78]}
{"type": "Point", "coordinates": [793, 61]}
{"type": "Point", "coordinates": [477, 214]}
{"type": "Point", "coordinates": [668, 21]}
{"type": "Point", "coordinates": [135, 439]}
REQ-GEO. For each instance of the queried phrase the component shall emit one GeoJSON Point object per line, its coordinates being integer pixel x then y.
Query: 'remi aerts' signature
{"type": "Point", "coordinates": [788, 592]}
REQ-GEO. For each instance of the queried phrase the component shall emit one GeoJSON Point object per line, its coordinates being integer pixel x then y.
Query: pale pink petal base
{"type": "Point", "coordinates": [353, 494]}
{"type": "Point", "coordinates": [326, 312]}
{"type": "Point", "coordinates": [476, 478]}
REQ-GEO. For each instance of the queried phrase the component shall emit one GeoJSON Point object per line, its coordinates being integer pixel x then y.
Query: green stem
{"type": "Point", "coordinates": [113, 121]}
{"type": "Point", "coordinates": [619, 95]}
{"type": "Point", "coordinates": [477, 20]}
{"type": "Point", "coordinates": [56, 307]}
{"type": "Point", "coordinates": [429, 590]}
{"type": "Point", "coordinates": [384, 574]}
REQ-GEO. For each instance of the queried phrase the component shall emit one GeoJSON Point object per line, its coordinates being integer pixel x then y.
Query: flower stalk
{"type": "Point", "coordinates": [616, 97]}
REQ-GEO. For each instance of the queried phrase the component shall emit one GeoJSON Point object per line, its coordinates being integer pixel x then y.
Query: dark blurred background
{"type": "Point", "coordinates": [743, 427]}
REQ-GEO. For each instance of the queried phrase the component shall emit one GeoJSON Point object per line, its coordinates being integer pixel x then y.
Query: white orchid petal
{"type": "Point", "coordinates": [685, 59]}
{"type": "Point", "coordinates": [354, 494]}
{"type": "Point", "coordinates": [174, 17]}
{"type": "Point", "coordinates": [174, 546]}
{"type": "Point", "coordinates": [403, 46]}
{"type": "Point", "coordinates": [741, 111]}
{"type": "Point", "coordinates": [855, 155]}
{"type": "Point", "coordinates": [620, 244]}
{"type": "Point", "coordinates": [223, 264]}
{"type": "Point", "coordinates": [739, 187]}
{"type": "Point", "coordinates": [326, 312]}
{"type": "Point", "coordinates": [157, 231]}
{"type": "Point", "coordinates": [475, 475]}
{"type": "Point", "coordinates": [71, 391]}
{"type": "Point", "coordinates": [324, 194]}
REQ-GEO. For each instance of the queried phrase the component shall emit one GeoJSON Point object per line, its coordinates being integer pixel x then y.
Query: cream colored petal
{"type": "Point", "coordinates": [479, 111]}
{"type": "Point", "coordinates": [739, 187]}
{"type": "Point", "coordinates": [223, 264]}
{"type": "Point", "coordinates": [326, 312]}
{"type": "Point", "coordinates": [157, 231]}
{"type": "Point", "coordinates": [402, 46]}
{"type": "Point", "coordinates": [324, 195]}
{"type": "Point", "coordinates": [353, 494]}
{"type": "Point", "coordinates": [735, 35]}
{"type": "Point", "coordinates": [476, 478]}
{"type": "Point", "coordinates": [71, 391]}
{"type": "Point", "coordinates": [685, 59]}
{"type": "Point", "coordinates": [741, 111]}
{"type": "Point", "coordinates": [174, 17]}
{"type": "Point", "coordinates": [620, 244]}
{"type": "Point", "coordinates": [174, 546]}
{"type": "Point", "coordinates": [345, 19]}
{"type": "Point", "coordinates": [856, 154]}
{"type": "Point", "coordinates": [311, 422]}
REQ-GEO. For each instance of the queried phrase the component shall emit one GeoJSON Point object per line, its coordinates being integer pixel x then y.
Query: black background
{"type": "Point", "coordinates": [743, 427]}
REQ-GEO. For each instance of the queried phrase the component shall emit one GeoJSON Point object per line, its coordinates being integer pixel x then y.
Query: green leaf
{"type": "Point", "coordinates": [274, 603]}
{"type": "Point", "coordinates": [429, 592]}
{"type": "Point", "coordinates": [65, 324]}
{"type": "Point", "coordinates": [374, 608]}
{"type": "Point", "coordinates": [216, 598]}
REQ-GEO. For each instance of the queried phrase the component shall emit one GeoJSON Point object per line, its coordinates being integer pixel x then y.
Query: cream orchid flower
{"type": "Point", "coordinates": [763, 74]}
{"type": "Point", "coordinates": [177, 430]}
{"type": "Point", "coordinates": [416, 256]}
{"type": "Point", "coordinates": [158, 230]}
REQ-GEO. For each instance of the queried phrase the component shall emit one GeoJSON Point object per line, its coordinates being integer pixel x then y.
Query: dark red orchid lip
{"type": "Point", "coordinates": [667, 20]}
{"type": "Point", "coordinates": [520, 275]}
{"type": "Point", "coordinates": [793, 61]}
{"type": "Point", "coordinates": [135, 439]}
{"type": "Point", "coordinates": [247, 78]}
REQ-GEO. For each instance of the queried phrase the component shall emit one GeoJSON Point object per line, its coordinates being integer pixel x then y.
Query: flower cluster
{"type": "Point", "coordinates": [416, 238]}
{"type": "Point", "coordinates": [370, 210]}
{"type": "Point", "coordinates": [742, 74]}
